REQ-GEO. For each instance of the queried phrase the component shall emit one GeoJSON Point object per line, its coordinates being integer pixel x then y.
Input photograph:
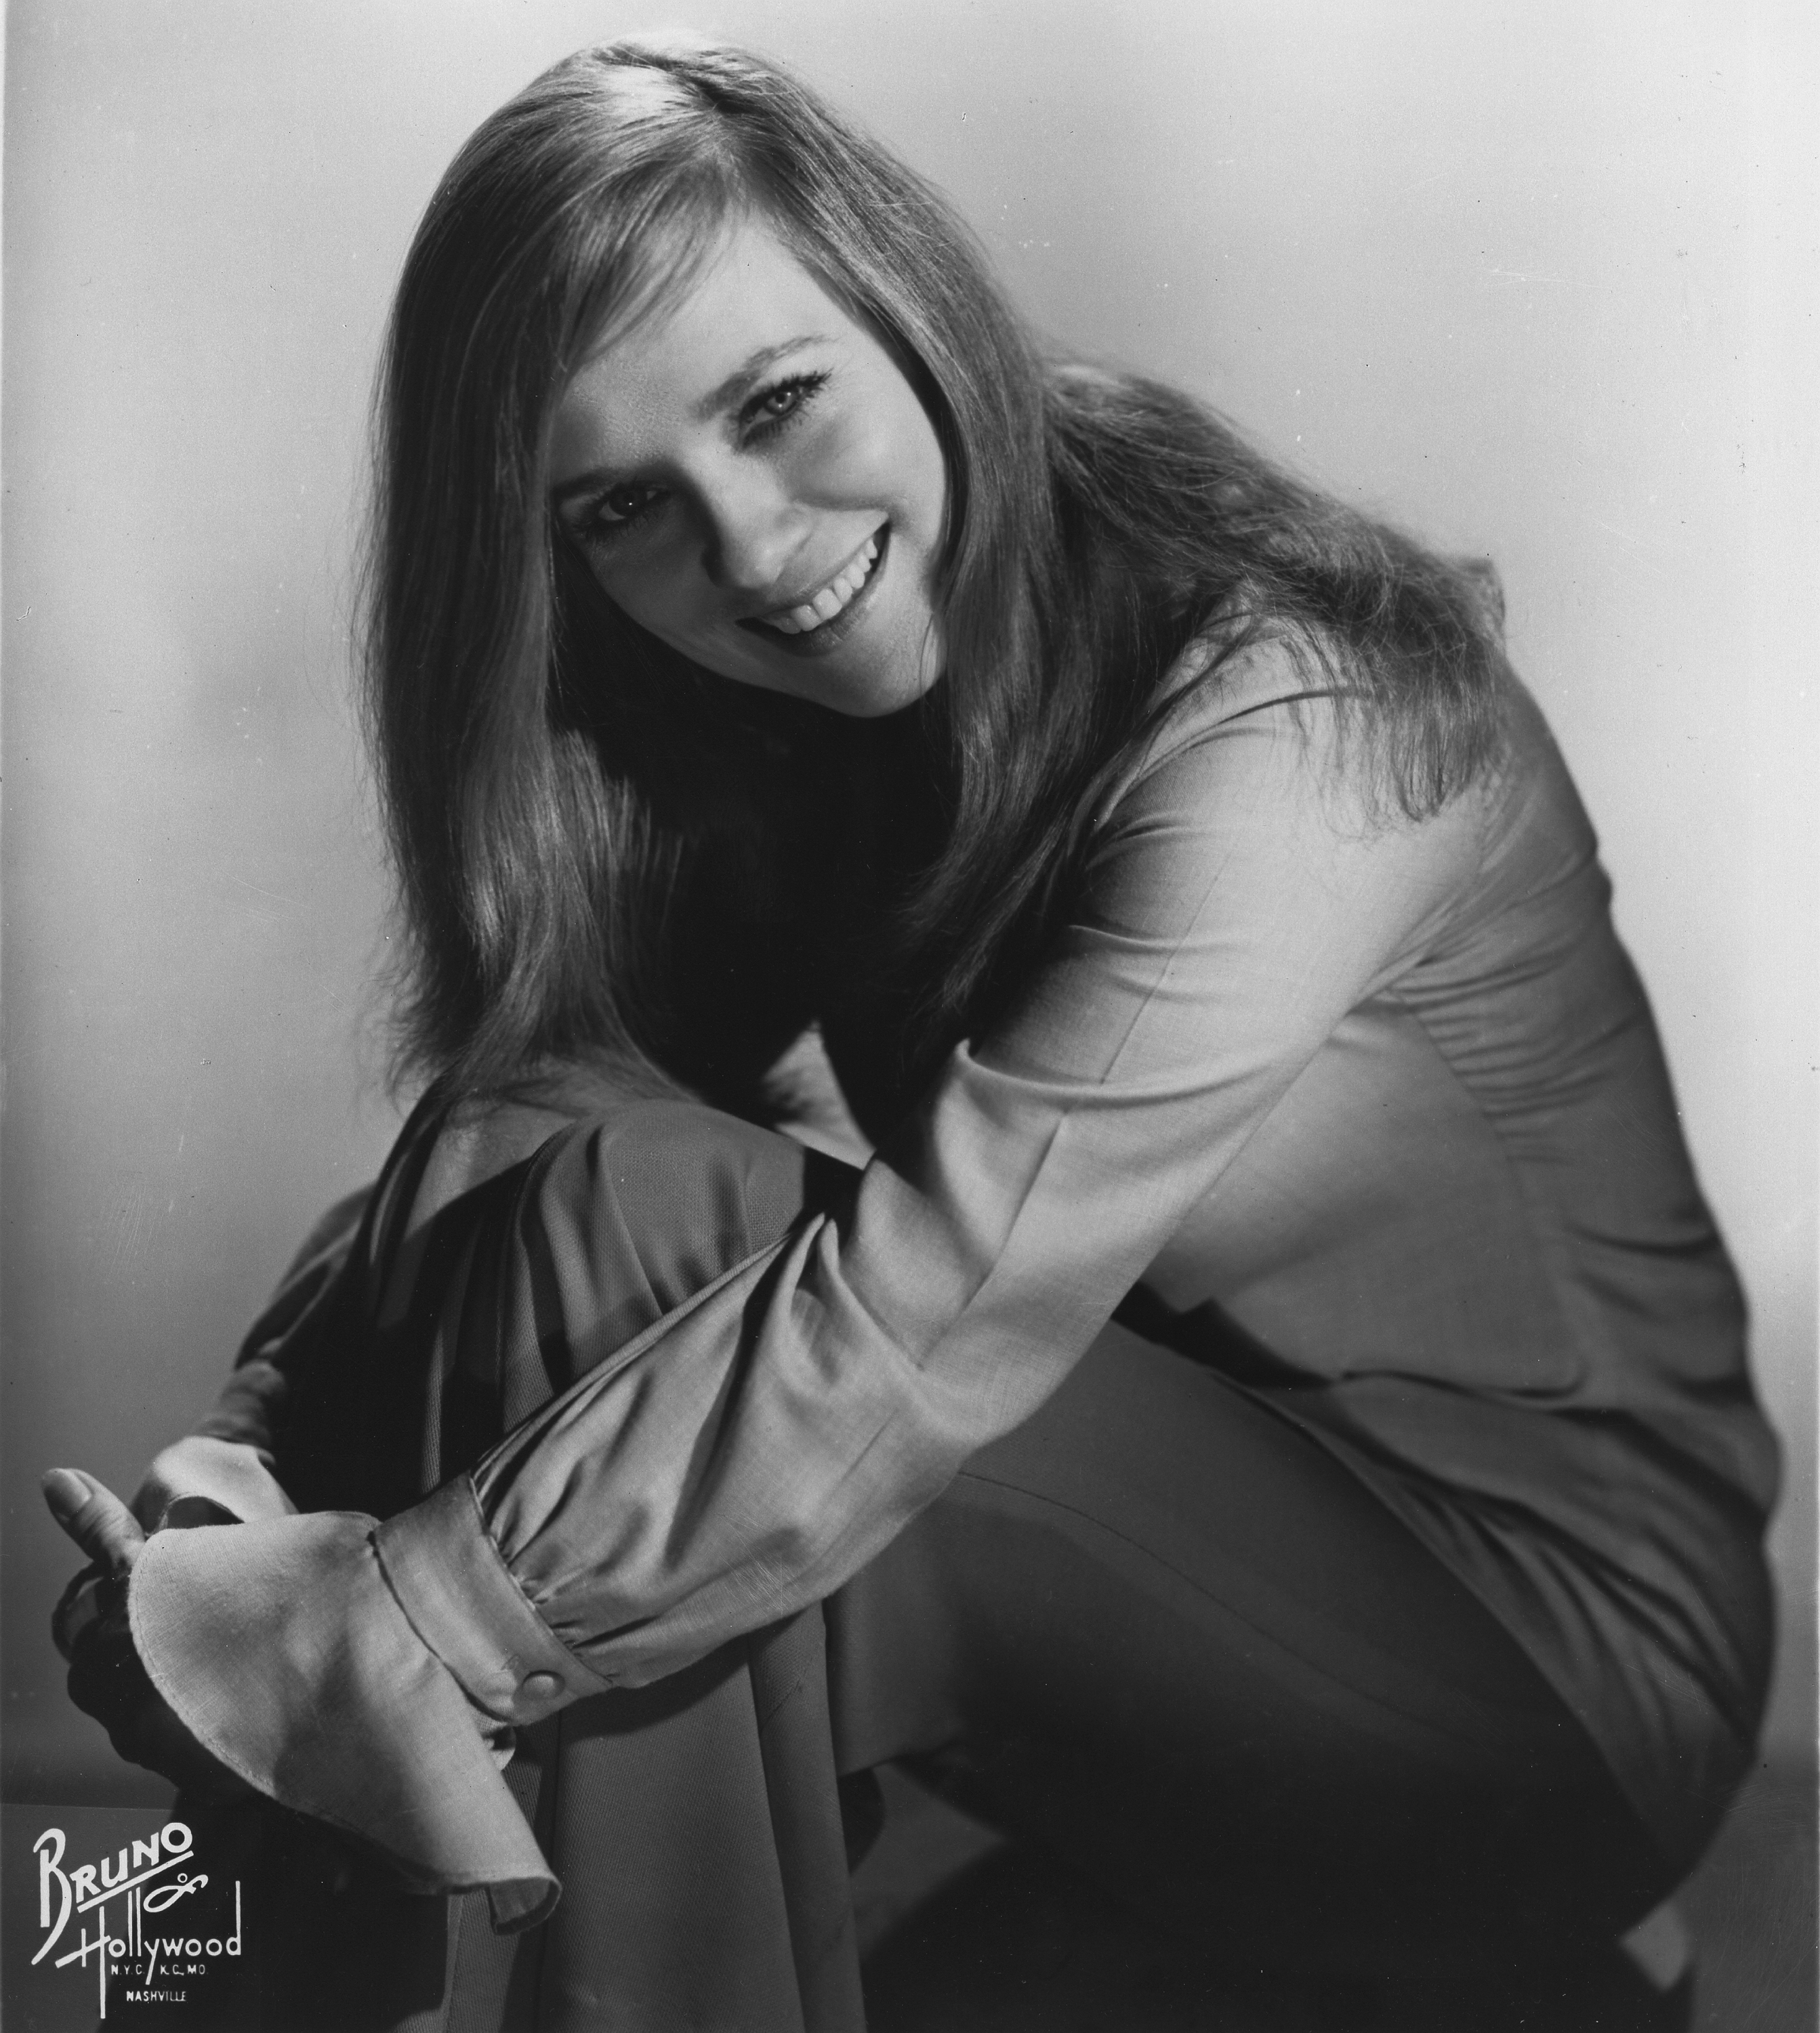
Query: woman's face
{"type": "Point", "coordinates": [751, 478]}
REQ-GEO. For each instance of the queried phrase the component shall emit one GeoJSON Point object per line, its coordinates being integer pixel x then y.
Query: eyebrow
{"type": "Point", "coordinates": [740, 383]}
{"type": "Point", "coordinates": [729, 396]}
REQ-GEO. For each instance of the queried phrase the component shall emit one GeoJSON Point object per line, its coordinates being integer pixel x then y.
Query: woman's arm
{"type": "Point", "coordinates": [762, 1440]}
{"type": "Point", "coordinates": [229, 1460]}
{"type": "Point", "coordinates": [1244, 895]}
{"type": "Point", "coordinates": [223, 1471]}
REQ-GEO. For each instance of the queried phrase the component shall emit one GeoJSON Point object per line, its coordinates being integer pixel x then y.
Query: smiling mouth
{"type": "Point", "coordinates": [810, 627]}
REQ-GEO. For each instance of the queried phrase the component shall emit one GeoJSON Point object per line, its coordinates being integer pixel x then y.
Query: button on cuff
{"type": "Point", "coordinates": [451, 1583]}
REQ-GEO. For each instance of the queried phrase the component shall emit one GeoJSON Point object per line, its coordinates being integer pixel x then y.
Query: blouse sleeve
{"type": "Point", "coordinates": [760, 1442]}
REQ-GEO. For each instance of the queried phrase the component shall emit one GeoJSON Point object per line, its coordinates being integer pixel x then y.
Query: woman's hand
{"type": "Point", "coordinates": [107, 1678]}
{"type": "Point", "coordinates": [95, 1519]}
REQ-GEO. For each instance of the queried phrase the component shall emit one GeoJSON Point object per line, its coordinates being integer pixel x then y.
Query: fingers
{"type": "Point", "coordinates": [108, 1681]}
{"type": "Point", "coordinates": [84, 1606]}
{"type": "Point", "coordinates": [95, 1518]}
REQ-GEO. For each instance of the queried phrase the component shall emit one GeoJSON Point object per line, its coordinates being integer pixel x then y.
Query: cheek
{"type": "Point", "coordinates": [844, 463]}
{"type": "Point", "coordinates": [654, 593]}
{"type": "Point", "coordinates": [886, 457]}
{"type": "Point", "coordinates": [922, 471]}
{"type": "Point", "coordinates": [933, 482]}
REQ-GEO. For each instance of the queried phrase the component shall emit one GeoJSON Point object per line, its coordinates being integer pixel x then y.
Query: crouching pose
{"type": "Point", "coordinates": [1232, 1371]}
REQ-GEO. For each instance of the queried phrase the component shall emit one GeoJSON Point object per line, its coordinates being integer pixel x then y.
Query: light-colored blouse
{"type": "Point", "coordinates": [1385, 1093]}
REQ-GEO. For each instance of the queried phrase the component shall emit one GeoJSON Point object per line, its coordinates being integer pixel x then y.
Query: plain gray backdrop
{"type": "Point", "coordinates": [1535, 280]}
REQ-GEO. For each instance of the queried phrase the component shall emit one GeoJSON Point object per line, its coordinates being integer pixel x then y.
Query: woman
{"type": "Point", "coordinates": [1270, 1421]}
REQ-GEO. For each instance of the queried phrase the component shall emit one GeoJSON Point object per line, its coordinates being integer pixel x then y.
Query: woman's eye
{"type": "Point", "coordinates": [617, 510]}
{"type": "Point", "coordinates": [624, 505]}
{"type": "Point", "coordinates": [781, 404]}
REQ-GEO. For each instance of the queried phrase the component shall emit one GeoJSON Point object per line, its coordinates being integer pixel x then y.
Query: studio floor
{"type": "Point", "coordinates": [963, 1934]}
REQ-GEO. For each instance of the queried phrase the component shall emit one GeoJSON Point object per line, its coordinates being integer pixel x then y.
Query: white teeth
{"type": "Point", "coordinates": [831, 599]}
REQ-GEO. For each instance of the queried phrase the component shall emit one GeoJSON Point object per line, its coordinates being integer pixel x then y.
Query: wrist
{"type": "Point", "coordinates": [455, 1588]}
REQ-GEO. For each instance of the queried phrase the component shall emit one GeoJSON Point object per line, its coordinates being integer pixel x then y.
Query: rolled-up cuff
{"type": "Point", "coordinates": [204, 1471]}
{"type": "Point", "coordinates": [454, 1586]}
{"type": "Point", "coordinates": [280, 1646]}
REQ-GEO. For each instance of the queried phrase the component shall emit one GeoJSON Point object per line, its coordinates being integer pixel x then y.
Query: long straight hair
{"type": "Point", "coordinates": [534, 749]}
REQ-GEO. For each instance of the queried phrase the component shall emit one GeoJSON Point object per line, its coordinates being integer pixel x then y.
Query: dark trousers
{"type": "Point", "coordinates": [1161, 1629]}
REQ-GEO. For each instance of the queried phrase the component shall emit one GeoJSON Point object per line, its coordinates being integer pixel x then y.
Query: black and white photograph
{"type": "Point", "coordinates": [908, 937]}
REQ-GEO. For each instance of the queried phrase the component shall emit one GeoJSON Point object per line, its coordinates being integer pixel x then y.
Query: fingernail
{"type": "Point", "coordinates": [66, 1492]}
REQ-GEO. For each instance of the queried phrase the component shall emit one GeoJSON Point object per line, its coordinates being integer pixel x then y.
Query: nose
{"type": "Point", "coordinates": [751, 529]}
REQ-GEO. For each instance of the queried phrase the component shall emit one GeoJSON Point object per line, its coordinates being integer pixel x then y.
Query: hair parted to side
{"type": "Point", "coordinates": [542, 762]}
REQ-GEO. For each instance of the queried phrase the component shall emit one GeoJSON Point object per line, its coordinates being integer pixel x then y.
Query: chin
{"type": "Point", "coordinates": [875, 694]}
{"type": "Point", "coordinates": [868, 699]}
{"type": "Point", "coordinates": [854, 694]}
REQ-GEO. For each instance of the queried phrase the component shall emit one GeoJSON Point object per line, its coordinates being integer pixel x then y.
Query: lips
{"type": "Point", "coordinates": [815, 624]}
{"type": "Point", "coordinates": [829, 599]}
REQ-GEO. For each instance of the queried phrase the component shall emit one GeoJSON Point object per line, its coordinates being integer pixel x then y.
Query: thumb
{"type": "Point", "coordinates": [95, 1518]}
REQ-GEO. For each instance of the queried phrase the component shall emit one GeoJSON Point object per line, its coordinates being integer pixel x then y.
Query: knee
{"type": "Point", "coordinates": [654, 1200]}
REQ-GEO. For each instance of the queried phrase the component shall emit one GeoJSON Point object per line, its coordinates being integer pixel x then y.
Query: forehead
{"type": "Point", "coordinates": [749, 297]}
